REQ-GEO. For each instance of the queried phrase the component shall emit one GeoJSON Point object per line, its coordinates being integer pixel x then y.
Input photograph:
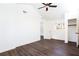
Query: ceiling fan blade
{"type": "Point", "coordinates": [49, 3]}
{"type": "Point", "coordinates": [53, 6]}
{"type": "Point", "coordinates": [41, 7]}
{"type": "Point", "coordinates": [44, 4]}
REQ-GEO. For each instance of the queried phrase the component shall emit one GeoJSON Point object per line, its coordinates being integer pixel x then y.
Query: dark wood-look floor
{"type": "Point", "coordinates": [45, 48]}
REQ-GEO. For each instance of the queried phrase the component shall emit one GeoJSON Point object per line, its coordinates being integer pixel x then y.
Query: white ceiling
{"type": "Point", "coordinates": [52, 13]}
{"type": "Point", "coordinates": [63, 6]}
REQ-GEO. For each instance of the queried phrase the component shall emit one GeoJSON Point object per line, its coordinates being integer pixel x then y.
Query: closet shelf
{"type": "Point", "coordinates": [72, 25]}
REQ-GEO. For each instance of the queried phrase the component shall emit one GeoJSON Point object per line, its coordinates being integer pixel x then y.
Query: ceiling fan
{"type": "Point", "coordinates": [46, 5]}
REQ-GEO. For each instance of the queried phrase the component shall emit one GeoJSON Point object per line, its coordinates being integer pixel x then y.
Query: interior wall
{"type": "Point", "coordinates": [28, 24]}
{"type": "Point", "coordinates": [71, 8]}
{"type": "Point", "coordinates": [18, 28]}
{"type": "Point", "coordinates": [7, 26]}
{"type": "Point", "coordinates": [51, 31]}
{"type": "Point", "coordinates": [71, 11]}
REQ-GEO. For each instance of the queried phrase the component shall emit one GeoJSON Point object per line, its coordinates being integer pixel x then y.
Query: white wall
{"type": "Point", "coordinates": [18, 28]}
{"type": "Point", "coordinates": [27, 25]}
{"type": "Point", "coordinates": [71, 8]}
{"type": "Point", "coordinates": [7, 26]}
{"type": "Point", "coordinates": [71, 11]}
{"type": "Point", "coordinates": [50, 30]}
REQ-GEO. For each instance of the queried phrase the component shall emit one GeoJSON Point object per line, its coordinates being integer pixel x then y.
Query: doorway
{"type": "Point", "coordinates": [72, 30]}
{"type": "Point", "coordinates": [72, 25]}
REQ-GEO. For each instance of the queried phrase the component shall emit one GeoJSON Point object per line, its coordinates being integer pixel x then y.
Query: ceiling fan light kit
{"type": "Point", "coordinates": [46, 8]}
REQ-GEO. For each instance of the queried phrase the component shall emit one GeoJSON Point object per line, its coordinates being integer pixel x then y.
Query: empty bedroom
{"type": "Point", "coordinates": [39, 29]}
